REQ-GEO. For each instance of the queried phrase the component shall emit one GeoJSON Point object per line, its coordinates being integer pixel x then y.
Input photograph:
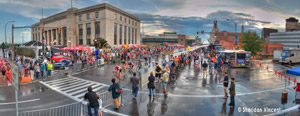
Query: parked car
{"type": "Point", "coordinates": [57, 58]}
{"type": "Point", "coordinates": [61, 64]}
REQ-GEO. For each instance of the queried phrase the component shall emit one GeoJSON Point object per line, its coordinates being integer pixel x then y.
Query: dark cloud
{"type": "Point", "coordinates": [190, 25]}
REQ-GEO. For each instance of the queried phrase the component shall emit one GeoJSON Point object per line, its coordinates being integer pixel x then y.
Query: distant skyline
{"type": "Point", "coordinates": [157, 16]}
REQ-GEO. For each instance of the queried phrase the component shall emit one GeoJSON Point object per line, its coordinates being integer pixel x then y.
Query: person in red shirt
{"type": "Point", "coordinates": [8, 75]}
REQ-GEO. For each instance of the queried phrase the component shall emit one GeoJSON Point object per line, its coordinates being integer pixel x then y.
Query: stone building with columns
{"type": "Point", "coordinates": [79, 27]}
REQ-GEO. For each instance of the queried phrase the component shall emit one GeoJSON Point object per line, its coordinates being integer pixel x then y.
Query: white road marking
{"type": "Point", "coordinates": [26, 101]}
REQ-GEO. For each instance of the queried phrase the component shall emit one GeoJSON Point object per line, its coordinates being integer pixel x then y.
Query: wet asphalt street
{"type": "Point", "coordinates": [194, 94]}
{"type": "Point", "coordinates": [190, 94]}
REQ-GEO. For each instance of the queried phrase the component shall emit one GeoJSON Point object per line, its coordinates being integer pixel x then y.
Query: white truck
{"type": "Point", "coordinates": [290, 56]}
{"type": "Point", "coordinates": [277, 55]}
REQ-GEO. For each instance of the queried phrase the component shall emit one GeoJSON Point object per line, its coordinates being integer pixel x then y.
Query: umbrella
{"type": "Point", "coordinates": [65, 48]}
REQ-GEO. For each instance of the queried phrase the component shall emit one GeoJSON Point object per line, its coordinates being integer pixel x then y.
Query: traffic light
{"type": "Point", "coordinates": [74, 31]}
{"type": "Point", "coordinates": [59, 30]}
{"type": "Point", "coordinates": [42, 28]}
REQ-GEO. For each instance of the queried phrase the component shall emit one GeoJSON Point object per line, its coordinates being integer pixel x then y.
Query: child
{"type": "Point", "coordinates": [232, 92]}
{"type": "Point", "coordinates": [100, 105]}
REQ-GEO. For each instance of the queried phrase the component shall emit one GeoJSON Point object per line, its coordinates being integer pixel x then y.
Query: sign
{"type": "Point", "coordinates": [100, 61]}
{"type": "Point", "coordinates": [15, 79]}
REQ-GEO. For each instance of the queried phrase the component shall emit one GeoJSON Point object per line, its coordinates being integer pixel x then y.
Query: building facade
{"type": "Point", "coordinates": [80, 27]}
{"type": "Point", "coordinates": [265, 34]}
{"type": "Point", "coordinates": [287, 39]}
{"type": "Point", "coordinates": [172, 38]}
{"type": "Point", "coordinates": [291, 24]}
{"type": "Point", "coordinates": [227, 40]}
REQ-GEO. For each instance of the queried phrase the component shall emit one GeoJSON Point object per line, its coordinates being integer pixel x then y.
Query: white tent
{"type": "Point", "coordinates": [205, 42]}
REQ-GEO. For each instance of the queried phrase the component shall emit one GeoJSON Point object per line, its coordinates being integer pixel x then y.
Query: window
{"type": "Point", "coordinates": [65, 35]}
{"type": "Point", "coordinates": [38, 37]}
{"type": "Point", "coordinates": [125, 20]}
{"type": "Point", "coordinates": [54, 38]}
{"type": "Point", "coordinates": [115, 34]}
{"type": "Point", "coordinates": [120, 18]}
{"type": "Point", "coordinates": [135, 36]}
{"type": "Point", "coordinates": [116, 17]}
{"type": "Point", "coordinates": [135, 23]}
{"type": "Point", "coordinates": [88, 16]}
{"type": "Point", "coordinates": [270, 49]}
{"type": "Point", "coordinates": [120, 31]}
{"type": "Point", "coordinates": [80, 30]}
{"type": "Point", "coordinates": [125, 34]}
{"type": "Point", "coordinates": [128, 35]}
{"type": "Point", "coordinates": [132, 22]}
{"type": "Point", "coordinates": [33, 37]}
{"type": "Point", "coordinates": [88, 33]}
{"type": "Point", "coordinates": [97, 30]}
{"type": "Point", "coordinates": [132, 36]}
{"type": "Point", "coordinates": [97, 15]}
{"type": "Point", "coordinates": [128, 22]}
{"type": "Point", "coordinates": [79, 17]}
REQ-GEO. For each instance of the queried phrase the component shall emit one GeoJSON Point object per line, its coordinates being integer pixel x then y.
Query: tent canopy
{"type": "Point", "coordinates": [294, 71]}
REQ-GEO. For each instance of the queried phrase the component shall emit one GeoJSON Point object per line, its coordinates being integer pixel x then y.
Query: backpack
{"type": "Point", "coordinates": [158, 69]}
{"type": "Point", "coordinates": [118, 90]}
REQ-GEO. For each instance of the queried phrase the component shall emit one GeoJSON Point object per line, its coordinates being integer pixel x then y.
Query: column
{"type": "Point", "coordinates": [93, 28]}
{"type": "Point", "coordinates": [84, 34]}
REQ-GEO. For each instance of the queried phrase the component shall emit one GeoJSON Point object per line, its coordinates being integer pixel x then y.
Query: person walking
{"type": "Point", "coordinates": [37, 71]}
{"type": "Point", "coordinates": [78, 64]}
{"type": "Point", "coordinates": [225, 84]}
{"type": "Point", "coordinates": [151, 85]}
{"type": "Point", "coordinates": [8, 75]}
{"type": "Point", "coordinates": [92, 97]}
{"type": "Point", "coordinates": [115, 95]}
{"type": "Point", "coordinates": [49, 68]}
{"type": "Point", "coordinates": [43, 68]}
{"type": "Point", "coordinates": [158, 69]}
{"type": "Point", "coordinates": [165, 80]}
{"type": "Point", "coordinates": [232, 92]}
{"type": "Point", "coordinates": [135, 85]}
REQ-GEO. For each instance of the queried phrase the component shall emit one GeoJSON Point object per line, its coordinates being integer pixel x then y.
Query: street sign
{"type": "Point", "coordinates": [15, 80]}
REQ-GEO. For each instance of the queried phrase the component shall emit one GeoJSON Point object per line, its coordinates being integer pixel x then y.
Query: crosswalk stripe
{"type": "Point", "coordinates": [75, 86]}
{"type": "Point", "coordinates": [83, 90]}
{"type": "Point", "coordinates": [57, 80]}
{"type": "Point", "coordinates": [82, 94]}
{"type": "Point", "coordinates": [68, 84]}
{"type": "Point", "coordinates": [62, 81]}
{"type": "Point", "coordinates": [79, 87]}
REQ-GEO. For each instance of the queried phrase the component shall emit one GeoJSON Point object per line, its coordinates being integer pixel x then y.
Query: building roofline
{"type": "Point", "coordinates": [107, 6]}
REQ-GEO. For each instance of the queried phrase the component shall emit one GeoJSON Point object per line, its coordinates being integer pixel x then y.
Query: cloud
{"type": "Point", "coordinates": [156, 24]}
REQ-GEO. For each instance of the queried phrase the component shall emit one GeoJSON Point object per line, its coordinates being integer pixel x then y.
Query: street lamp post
{"type": "Point", "coordinates": [5, 28]}
{"type": "Point", "coordinates": [235, 24]}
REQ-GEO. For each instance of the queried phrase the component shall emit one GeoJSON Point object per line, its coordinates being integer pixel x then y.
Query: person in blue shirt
{"type": "Point", "coordinates": [20, 66]}
{"type": "Point", "coordinates": [44, 70]}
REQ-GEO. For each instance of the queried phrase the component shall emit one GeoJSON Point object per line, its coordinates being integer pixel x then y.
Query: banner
{"type": "Point", "coordinates": [100, 61]}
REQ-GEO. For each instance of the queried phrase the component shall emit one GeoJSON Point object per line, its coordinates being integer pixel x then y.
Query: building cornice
{"type": "Point", "coordinates": [105, 6]}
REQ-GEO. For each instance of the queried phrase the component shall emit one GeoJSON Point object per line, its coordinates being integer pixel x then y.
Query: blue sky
{"type": "Point", "coordinates": [157, 16]}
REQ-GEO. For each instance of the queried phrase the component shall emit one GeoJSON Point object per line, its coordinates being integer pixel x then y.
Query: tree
{"type": "Point", "coordinates": [103, 44]}
{"type": "Point", "coordinates": [298, 46]}
{"type": "Point", "coordinates": [252, 42]}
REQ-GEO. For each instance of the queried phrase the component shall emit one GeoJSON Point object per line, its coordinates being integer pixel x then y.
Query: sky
{"type": "Point", "coordinates": [157, 16]}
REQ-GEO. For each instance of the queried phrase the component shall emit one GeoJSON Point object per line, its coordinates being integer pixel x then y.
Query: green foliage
{"type": "Point", "coordinates": [252, 42]}
{"type": "Point", "coordinates": [26, 52]}
{"type": "Point", "coordinates": [103, 43]}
